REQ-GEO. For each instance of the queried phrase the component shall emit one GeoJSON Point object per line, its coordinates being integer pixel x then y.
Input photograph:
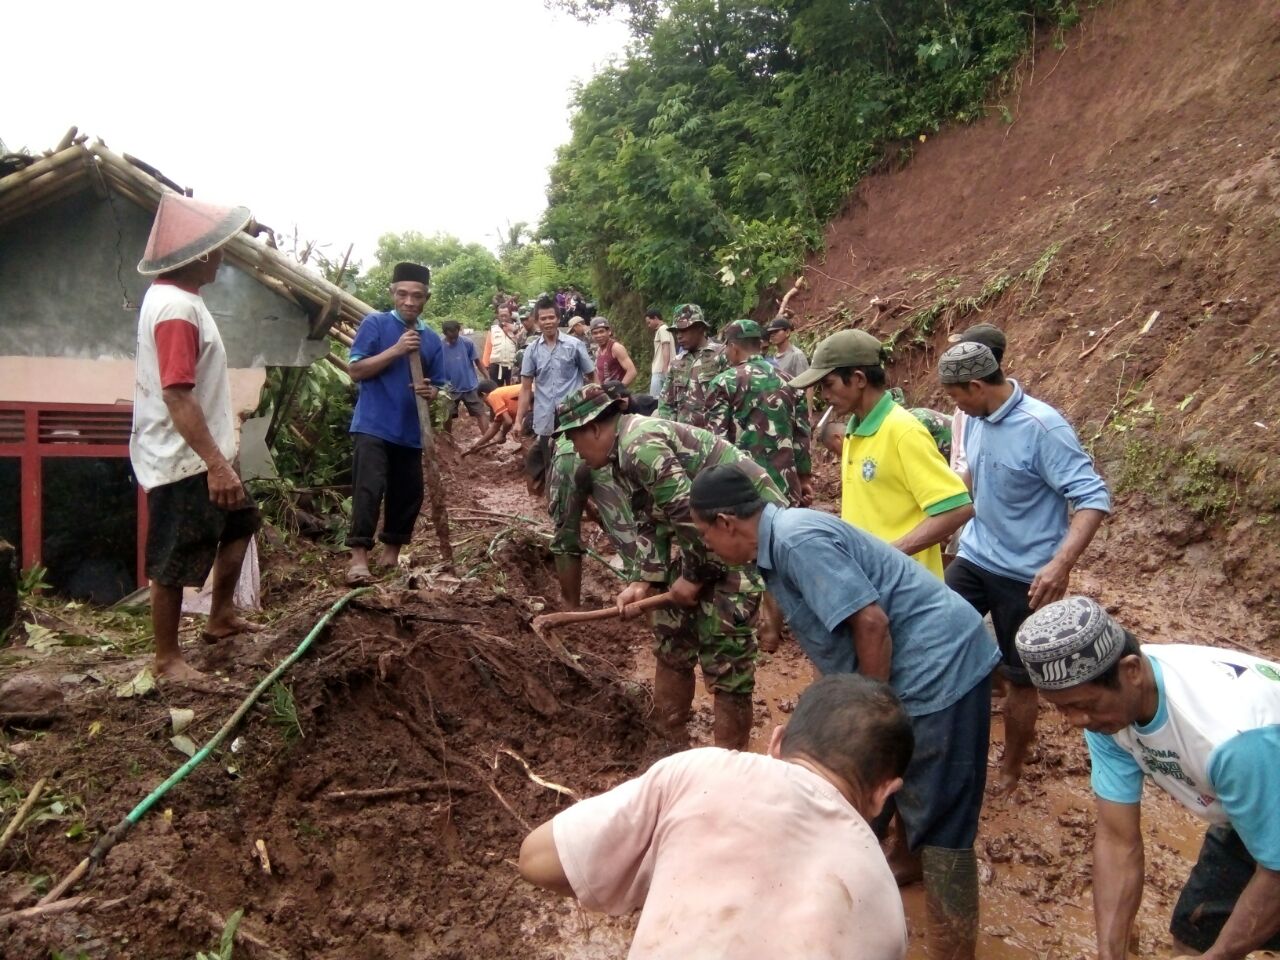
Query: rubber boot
{"type": "Point", "coordinates": [569, 573]}
{"type": "Point", "coordinates": [769, 626]}
{"type": "Point", "coordinates": [672, 699]}
{"type": "Point", "coordinates": [951, 901]}
{"type": "Point", "coordinates": [733, 720]}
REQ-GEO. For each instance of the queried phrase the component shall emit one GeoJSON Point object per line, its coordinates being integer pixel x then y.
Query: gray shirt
{"type": "Point", "coordinates": [792, 361]}
{"type": "Point", "coordinates": [557, 370]}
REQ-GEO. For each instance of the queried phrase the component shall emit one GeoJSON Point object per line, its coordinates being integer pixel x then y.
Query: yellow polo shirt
{"type": "Point", "coordinates": [892, 477]}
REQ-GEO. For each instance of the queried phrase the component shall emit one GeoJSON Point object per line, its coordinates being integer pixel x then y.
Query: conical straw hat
{"type": "Point", "coordinates": [185, 230]}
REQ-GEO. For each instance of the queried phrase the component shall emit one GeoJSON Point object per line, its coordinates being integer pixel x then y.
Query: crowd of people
{"type": "Point", "coordinates": [704, 486]}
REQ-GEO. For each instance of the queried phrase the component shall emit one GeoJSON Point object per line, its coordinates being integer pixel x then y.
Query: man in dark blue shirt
{"type": "Point", "coordinates": [384, 428]}
{"type": "Point", "coordinates": [857, 604]}
{"type": "Point", "coordinates": [463, 371]}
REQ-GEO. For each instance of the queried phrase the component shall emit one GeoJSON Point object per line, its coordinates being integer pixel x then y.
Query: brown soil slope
{"type": "Point", "coordinates": [1118, 213]}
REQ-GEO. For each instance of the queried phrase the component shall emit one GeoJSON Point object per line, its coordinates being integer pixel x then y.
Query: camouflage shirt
{"type": "Point", "coordinates": [683, 399]}
{"type": "Point", "coordinates": [655, 461]}
{"type": "Point", "coordinates": [570, 483]}
{"type": "Point", "coordinates": [751, 406]}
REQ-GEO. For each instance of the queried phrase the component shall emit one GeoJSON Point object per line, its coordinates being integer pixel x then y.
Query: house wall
{"type": "Point", "coordinates": [75, 380]}
{"type": "Point", "coordinates": [69, 288]}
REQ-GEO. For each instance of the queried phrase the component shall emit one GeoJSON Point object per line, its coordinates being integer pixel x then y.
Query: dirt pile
{"type": "Point", "coordinates": [427, 731]}
{"type": "Point", "coordinates": [1117, 214]}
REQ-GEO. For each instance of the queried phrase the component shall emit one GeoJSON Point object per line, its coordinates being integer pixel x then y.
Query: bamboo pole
{"type": "Point", "coordinates": [16, 823]}
{"type": "Point", "coordinates": [15, 180]}
{"type": "Point", "coordinates": [430, 464]}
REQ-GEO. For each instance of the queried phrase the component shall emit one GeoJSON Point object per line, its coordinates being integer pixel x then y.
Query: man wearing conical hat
{"type": "Point", "coordinates": [200, 517]}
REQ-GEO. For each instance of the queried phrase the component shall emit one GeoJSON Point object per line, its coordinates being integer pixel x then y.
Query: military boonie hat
{"type": "Point", "coordinates": [686, 315]}
{"type": "Point", "coordinates": [742, 330]}
{"type": "Point", "coordinates": [848, 348]}
{"type": "Point", "coordinates": [583, 406]}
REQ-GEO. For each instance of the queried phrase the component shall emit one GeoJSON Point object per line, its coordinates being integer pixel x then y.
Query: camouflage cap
{"type": "Point", "coordinates": [686, 315]}
{"type": "Point", "coordinates": [742, 330]}
{"type": "Point", "coordinates": [848, 348]}
{"type": "Point", "coordinates": [583, 406]}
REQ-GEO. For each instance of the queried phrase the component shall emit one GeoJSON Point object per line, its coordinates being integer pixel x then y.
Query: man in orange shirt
{"type": "Point", "coordinates": [504, 403]}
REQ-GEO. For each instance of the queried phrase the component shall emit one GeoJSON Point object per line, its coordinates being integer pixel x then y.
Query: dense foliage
{"type": "Point", "coordinates": [465, 276]}
{"type": "Point", "coordinates": [705, 163]}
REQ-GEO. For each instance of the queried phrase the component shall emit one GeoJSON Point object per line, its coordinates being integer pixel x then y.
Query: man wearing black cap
{"type": "Point", "coordinates": [384, 427]}
{"type": "Point", "coordinates": [1203, 724]}
{"type": "Point", "coordinates": [1026, 467]}
{"type": "Point", "coordinates": [855, 604]}
{"type": "Point", "coordinates": [790, 360]}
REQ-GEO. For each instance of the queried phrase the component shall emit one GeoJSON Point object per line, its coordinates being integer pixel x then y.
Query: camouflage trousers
{"type": "Point", "coordinates": [719, 634]}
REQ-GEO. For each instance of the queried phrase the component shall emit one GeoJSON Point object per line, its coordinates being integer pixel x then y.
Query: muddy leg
{"type": "Point", "coordinates": [769, 626]}
{"type": "Point", "coordinates": [166, 611]}
{"type": "Point", "coordinates": [672, 698]}
{"type": "Point", "coordinates": [1021, 704]}
{"type": "Point", "coordinates": [732, 720]}
{"type": "Point", "coordinates": [904, 863]}
{"type": "Point", "coordinates": [951, 900]}
{"type": "Point", "coordinates": [569, 573]}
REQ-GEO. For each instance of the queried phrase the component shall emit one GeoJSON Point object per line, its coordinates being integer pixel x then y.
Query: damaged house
{"type": "Point", "coordinates": [73, 225]}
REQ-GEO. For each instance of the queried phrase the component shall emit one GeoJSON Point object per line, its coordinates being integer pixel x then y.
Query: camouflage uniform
{"type": "Point", "coordinates": [751, 406]}
{"type": "Point", "coordinates": [656, 461]}
{"type": "Point", "coordinates": [683, 398]}
{"type": "Point", "coordinates": [570, 483]}
{"type": "Point", "coordinates": [938, 424]}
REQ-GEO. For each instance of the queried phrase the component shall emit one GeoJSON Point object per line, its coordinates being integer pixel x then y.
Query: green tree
{"type": "Point", "coordinates": [703, 165]}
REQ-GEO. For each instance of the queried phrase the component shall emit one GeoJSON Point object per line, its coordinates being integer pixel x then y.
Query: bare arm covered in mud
{"type": "Point", "coordinates": [1117, 875]}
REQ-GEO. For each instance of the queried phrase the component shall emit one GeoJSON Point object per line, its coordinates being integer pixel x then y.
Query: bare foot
{"type": "Point", "coordinates": [221, 629]}
{"type": "Point", "coordinates": [906, 867]}
{"type": "Point", "coordinates": [177, 670]}
{"type": "Point", "coordinates": [387, 557]}
{"type": "Point", "coordinates": [1005, 784]}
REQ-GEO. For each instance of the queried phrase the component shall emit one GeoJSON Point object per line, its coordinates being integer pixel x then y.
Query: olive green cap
{"type": "Point", "coordinates": [848, 348]}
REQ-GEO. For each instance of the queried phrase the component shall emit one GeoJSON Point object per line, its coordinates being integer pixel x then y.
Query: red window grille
{"type": "Point", "coordinates": [35, 433]}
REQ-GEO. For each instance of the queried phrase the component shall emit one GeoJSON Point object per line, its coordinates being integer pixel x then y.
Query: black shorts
{"type": "Point", "coordinates": [471, 400]}
{"type": "Point", "coordinates": [1212, 889]}
{"type": "Point", "coordinates": [1007, 602]}
{"type": "Point", "coordinates": [185, 529]}
{"type": "Point", "coordinates": [941, 796]}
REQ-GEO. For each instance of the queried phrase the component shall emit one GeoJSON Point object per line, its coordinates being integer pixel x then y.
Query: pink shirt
{"type": "Point", "coordinates": [734, 855]}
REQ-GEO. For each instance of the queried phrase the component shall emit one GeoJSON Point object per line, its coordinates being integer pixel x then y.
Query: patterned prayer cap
{"type": "Point", "coordinates": [1069, 642]}
{"type": "Point", "coordinates": [967, 361]}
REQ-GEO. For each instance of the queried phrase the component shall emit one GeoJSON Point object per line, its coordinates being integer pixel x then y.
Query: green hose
{"type": "Point", "coordinates": [117, 833]}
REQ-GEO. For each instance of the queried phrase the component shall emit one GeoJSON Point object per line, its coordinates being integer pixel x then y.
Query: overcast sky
{"type": "Point", "coordinates": [345, 120]}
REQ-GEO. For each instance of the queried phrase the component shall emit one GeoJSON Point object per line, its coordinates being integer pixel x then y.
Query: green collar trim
{"type": "Point", "coordinates": [869, 426]}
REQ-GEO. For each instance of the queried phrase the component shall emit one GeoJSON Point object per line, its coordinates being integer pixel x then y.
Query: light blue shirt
{"type": "Point", "coordinates": [822, 571]}
{"type": "Point", "coordinates": [1027, 465]}
{"type": "Point", "coordinates": [557, 371]}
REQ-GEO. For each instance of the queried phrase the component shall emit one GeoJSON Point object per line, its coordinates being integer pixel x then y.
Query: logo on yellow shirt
{"type": "Point", "coordinates": [869, 469]}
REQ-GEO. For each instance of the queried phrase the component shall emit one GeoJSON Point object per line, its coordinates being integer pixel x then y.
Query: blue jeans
{"type": "Point", "coordinates": [657, 382]}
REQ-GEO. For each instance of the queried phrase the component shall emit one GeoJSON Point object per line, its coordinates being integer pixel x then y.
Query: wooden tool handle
{"type": "Point", "coordinates": [605, 613]}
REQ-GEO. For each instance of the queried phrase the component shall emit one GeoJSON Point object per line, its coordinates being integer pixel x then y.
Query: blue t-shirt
{"type": "Point", "coordinates": [557, 371]}
{"type": "Point", "coordinates": [1027, 465]}
{"type": "Point", "coordinates": [822, 570]}
{"type": "Point", "coordinates": [460, 364]}
{"type": "Point", "coordinates": [385, 405]}
{"type": "Point", "coordinates": [1213, 744]}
